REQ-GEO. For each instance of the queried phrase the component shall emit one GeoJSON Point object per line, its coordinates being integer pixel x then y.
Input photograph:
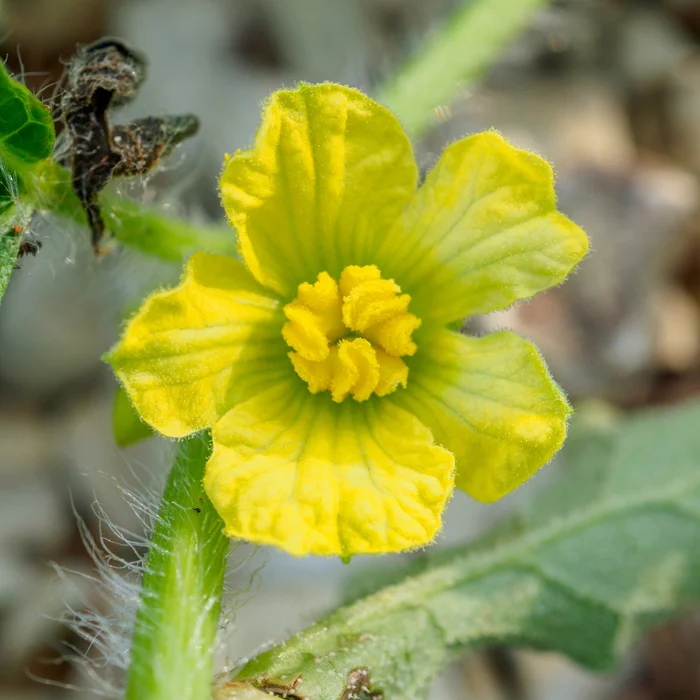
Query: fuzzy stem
{"type": "Point", "coordinates": [177, 620]}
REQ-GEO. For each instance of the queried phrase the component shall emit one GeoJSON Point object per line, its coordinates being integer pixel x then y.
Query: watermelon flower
{"type": "Point", "coordinates": [343, 405]}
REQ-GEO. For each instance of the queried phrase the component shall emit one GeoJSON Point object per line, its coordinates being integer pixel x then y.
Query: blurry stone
{"type": "Point", "coordinates": [688, 13]}
{"type": "Point", "coordinates": [665, 665]}
{"type": "Point", "coordinates": [396, 29]}
{"type": "Point", "coordinates": [553, 677]}
{"type": "Point", "coordinates": [33, 516]}
{"type": "Point", "coordinates": [593, 131]}
{"type": "Point", "coordinates": [472, 677]}
{"type": "Point", "coordinates": [35, 618]}
{"type": "Point", "coordinates": [620, 60]}
{"type": "Point", "coordinates": [256, 42]}
{"type": "Point", "coordinates": [15, 572]}
{"type": "Point", "coordinates": [651, 44]}
{"type": "Point", "coordinates": [575, 122]}
{"type": "Point", "coordinates": [685, 112]}
{"type": "Point", "coordinates": [677, 331]}
{"type": "Point", "coordinates": [322, 39]}
{"type": "Point", "coordinates": [25, 444]}
{"type": "Point", "coordinates": [521, 674]}
{"type": "Point", "coordinates": [562, 37]}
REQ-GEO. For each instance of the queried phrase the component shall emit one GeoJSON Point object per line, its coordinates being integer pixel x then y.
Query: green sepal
{"type": "Point", "coordinates": [127, 426]}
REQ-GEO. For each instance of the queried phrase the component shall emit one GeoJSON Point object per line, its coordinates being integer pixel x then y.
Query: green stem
{"type": "Point", "coordinates": [177, 620]}
{"type": "Point", "coordinates": [453, 57]}
{"type": "Point", "coordinates": [130, 223]}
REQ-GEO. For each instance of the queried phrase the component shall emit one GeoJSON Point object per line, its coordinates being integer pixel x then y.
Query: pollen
{"type": "Point", "coordinates": [348, 336]}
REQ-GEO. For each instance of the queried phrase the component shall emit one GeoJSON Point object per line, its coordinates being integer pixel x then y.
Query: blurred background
{"type": "Point", "coordinates": [608, 90]}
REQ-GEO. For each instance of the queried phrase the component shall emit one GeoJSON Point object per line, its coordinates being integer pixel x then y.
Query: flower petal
{"type": "Point", "coordinates": [492, 403]}
{"type": "Point", "coordinates": [482, 232]}
{"type": "Point", "coordinates": [329, 173]}
{"type": "Point", "coordinates": [292, 469]}
{"type": "Point", "coordinates": [192, 352]}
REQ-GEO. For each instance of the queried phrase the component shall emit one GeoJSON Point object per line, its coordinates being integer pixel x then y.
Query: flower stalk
{"type": "Point", "coordinates": [453, 58]}
{"type": "Point", "coordinates": [177, 620]}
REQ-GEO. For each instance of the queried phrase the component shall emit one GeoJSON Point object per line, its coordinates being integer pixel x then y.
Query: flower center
{"type": "Point", "coordinates": [348, 337]}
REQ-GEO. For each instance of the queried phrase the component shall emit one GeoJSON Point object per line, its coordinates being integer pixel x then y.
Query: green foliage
{"type": "Point", "coordinates": [26, 137]}
{"type": "Point", "coordinates": [26, 140]}
{"type": "Point", "coordinates": [127, 426]}
{"type": "Point", "coordinates": [609, 550]}
{"type": "Point", "coordinates": [453, 57]}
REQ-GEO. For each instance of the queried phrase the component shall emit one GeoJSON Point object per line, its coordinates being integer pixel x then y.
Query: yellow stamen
{"type": "Point", "coordinates": [349, 337]}
{"type": "Point", "coordinates": [393, 372]}
{"type": "Point", "coordinates": [354, 275]}
{"type": "Point", "coordinates": [315, 318]}
{"type": "Point", "coordinates": [373, 302]}
{"type": "Point", "coordinates": [394, 334]}
{"type": "Point", "coordinates": [356, 370]}
{"type": "Point", "coordinates": [317, 375]}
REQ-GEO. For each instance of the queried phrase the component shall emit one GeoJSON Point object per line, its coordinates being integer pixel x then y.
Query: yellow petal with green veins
{"type": "Point", "coordinates": [481, 233]}
{"type": "Point", "coordinates": [491, 402]}
{"type": "Point", "coordinates": [328, 174]}
{"type": "Point", "coordinates": [192, 352]}
{"type": "Point", "coordinates": [291, 469]}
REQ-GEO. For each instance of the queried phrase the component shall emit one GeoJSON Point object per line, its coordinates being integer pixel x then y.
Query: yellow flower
{"type": "Point", "coordinates": [342, 406]}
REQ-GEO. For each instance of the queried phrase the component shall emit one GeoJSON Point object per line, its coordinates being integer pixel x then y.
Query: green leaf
{"type": "Point", "coordinates": [453, 57]}
{"type": "Point", "coordinates": [26, 140]}
{"type": "Point", "coordinates": [610, 550]}
{"type": "Point", "coordinates": [127, 426]}
{"type": "Point", "coordinates": [26, 137]}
